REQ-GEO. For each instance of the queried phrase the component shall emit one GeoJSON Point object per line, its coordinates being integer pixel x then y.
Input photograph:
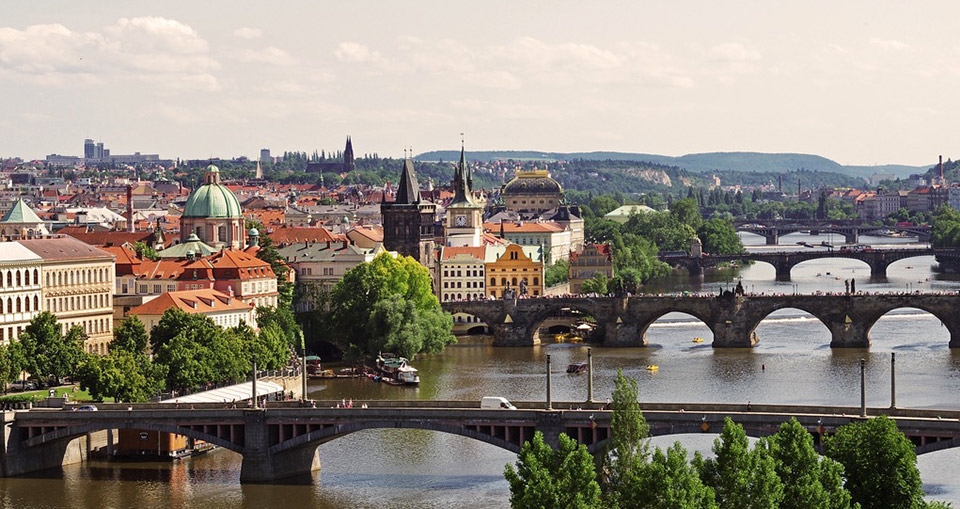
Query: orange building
{"type": "Point", "coordinates": [518, 268]}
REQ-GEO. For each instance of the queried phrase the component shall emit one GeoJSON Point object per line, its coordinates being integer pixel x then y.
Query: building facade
{"type": "Point", "coordinates": [213, 214]}
{"type": "Point", "coordinates": [516, 268]}
{"type": "Point", "coordinates": [408, 221]}
{"type": "Point", "coordinates": [594, 259]}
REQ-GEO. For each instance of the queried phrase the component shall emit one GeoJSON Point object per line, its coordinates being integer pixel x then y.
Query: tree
{"type": "Point", "coordinates": [130, 335]}
{"type": "Point", "coordinates": [808, 480]}
{"type": "Point", "coordinates": [12, 363]}
{"type": "Point", "coordinates": [879, 462]}
{"type": "Point", "coordinates": [668, 481]}
{"type": "Point", "coordinates": [47, 353]}
{"type": "Point", "coordinates": [622, 464]}
{"type": "Point", "coordinates": [719, 237]}
{"type": "Point", "coordinates": [740, 477]}
{"type": "Point", "coordinates": [389, 302]}
{"type": "Point", "coordinates": [548, 479]}
{"type": "Point", "coordinates": [121, 374]}
{"type": "Point", "coordinates": [145, 251]}
{"type": "Point", "coordinates": [597, 284]}
{"type": "Point", "coordinates": [556, 273]}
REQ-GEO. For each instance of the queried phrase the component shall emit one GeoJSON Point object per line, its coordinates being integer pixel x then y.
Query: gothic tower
{"type": "Point", "coordinates": [464, 225]}
{"type": "Point", "coordinates": [408, 220]}
{"type": "Point", "coordinates": [348, 162]}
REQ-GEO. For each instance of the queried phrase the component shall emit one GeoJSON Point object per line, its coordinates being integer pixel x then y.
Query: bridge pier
{"type": "Point", "coordinates": [260, 465]}
{"type": "Point", "coordinates": [622, 333]}
{"type": "Point", "coordinates": [16, 459]}
{"type": "Point", "coordinates": [848, 334]}
{"type": "Point", "coordinates": [772, 236]}
{"type": "Point", "coordinates": [852, 237]}
{"type": "Point", "coordinates": [733, 334]}
{"type": "Point", "coordinates": [783, 271]}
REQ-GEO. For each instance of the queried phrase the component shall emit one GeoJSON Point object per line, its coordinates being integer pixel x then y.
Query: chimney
{"type": "Point", "coordinates": [940, 169]}
{"type": "Point", "coordinates": [129, 208]}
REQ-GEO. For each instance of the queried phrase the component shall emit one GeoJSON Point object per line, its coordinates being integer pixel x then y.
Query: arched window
{"type": "Point", "coordinates": [9, 279]}
{"type": "Point", "coordinates": [536, 281]}
{"type": "Point", "coordinates": [19, 305]}
{"type": "Point", "coordinates": [19, 280]}
{"type": "Point", "coordinates": [514, 282]}
{"type": "Point", "coordinates": [36, 303]}
{"type": "Point", "coordinates": [503, 281]}
{"type": "Point", "coordinates": [493, 281]}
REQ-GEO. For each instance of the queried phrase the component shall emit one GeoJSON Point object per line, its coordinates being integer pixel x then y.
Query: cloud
{"type": "Point", "coordinates": [353, 52]}
{"type": "Point", "coordinates": [248, 33]}
{"type": "Point", "coordinates": [269, 55]}
{"type": "Point", "coordinates": [153, 49]}
{"type": "Point", "coordinates": [889, 44]}
{"type": "Point", "coordinates": [733, 52]}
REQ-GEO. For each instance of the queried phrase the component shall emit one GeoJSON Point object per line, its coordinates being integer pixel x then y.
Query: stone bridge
{"type": "Point", "coordinates": [282, 442]}
{"type": "Point", "coordinates": [624, 321]}
{"type": "Point", "coordinates": [851, 230]}
{"type": "Point", "coordinates": [784, 261]}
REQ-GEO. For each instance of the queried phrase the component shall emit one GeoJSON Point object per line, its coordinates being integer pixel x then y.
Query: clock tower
{"type": "Point", "coordinates": [464, 225]}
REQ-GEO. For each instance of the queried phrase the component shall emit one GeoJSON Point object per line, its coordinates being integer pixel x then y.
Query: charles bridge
{"type": "Point", "coordinates": [281, 442]}
{"type": "Point", "coordinates": [733, 318]}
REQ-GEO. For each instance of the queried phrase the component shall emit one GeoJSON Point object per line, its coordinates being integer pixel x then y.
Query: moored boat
{"type": "Point", "coordinates": [397, 369]}
{"type": "Point", "coordinates": [578, 367]}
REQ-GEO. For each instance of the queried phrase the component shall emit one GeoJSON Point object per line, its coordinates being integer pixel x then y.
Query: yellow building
{"type": "Point", "coordinates": [518, 268]}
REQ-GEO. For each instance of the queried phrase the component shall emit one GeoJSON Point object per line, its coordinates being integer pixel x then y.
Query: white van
{"type": "Point", "coordinates": [496, 402]}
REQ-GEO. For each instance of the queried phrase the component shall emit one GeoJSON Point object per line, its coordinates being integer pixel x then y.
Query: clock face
{"type": "Point", "coordinates": [461, 220]}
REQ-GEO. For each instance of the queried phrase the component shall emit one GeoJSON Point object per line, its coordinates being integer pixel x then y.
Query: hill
{"type": "Point", "coordinates": [700, 163]}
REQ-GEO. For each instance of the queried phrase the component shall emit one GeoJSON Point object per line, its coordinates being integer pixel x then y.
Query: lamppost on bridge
{"type": "Point", "coordinates": [549, 401]}
{"type": "Point", "coordinates": [253, 385]}
{"type": "Point", "coordinates": [863, 388]}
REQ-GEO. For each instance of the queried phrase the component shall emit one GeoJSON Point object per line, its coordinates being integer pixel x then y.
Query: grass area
{"type": "Point", "coordinates": [73, 392]}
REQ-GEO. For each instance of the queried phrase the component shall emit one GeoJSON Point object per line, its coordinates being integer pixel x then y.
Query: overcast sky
{"type": "Point", "coordinates": [869, 82]}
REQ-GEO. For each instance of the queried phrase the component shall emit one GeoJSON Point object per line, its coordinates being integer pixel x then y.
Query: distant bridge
{"type": "Point", "coordinates": [282, 441]}
{"type": "Point", "coordinates": [733, 319]}
{"type": "Point", "coordinates": [784, 261]}
{"type": "Point", "coordinates": [851, 230]}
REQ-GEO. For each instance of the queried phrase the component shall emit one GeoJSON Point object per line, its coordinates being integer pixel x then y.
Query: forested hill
{"type": "Point", "coordinates": [713, 161]}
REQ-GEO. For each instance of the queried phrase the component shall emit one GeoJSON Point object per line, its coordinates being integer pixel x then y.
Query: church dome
{"type": "Point", "coordinates": [212, 199]}
{"type": "Point", "coordinates": [531, 182]}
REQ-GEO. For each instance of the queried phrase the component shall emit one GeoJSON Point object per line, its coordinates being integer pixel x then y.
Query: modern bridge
{"type": "Point", "coordinates": [282, 441]}
{"type": "Point", "coordinates": [784, 261]}
{"type": "Point", "coordinates": [733, 319]}
{"type": "Point", "coordinates": [850, 230]}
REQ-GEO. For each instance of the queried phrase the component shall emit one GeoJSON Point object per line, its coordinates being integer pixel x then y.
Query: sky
{"type": "Point", "coordinates": [859, 82]}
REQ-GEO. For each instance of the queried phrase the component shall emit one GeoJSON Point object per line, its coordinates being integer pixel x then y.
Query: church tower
{"type": "Point", "coordinates": [348, 162]}
{"type": "Point", "coordinates": [464, 225]}
{"type": "Point", "coordinates": [408, 220]}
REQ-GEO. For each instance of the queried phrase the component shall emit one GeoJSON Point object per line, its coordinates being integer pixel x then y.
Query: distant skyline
{"type": "Point", "coordinates": [858, 82]}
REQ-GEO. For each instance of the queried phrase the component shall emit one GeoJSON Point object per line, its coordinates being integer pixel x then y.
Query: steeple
{"type": "Point", "coordinates": [348, 160]}
{"type": "Point", "coordinates": [408, 191]}
{"type": "Point", "coordinates": [462, 181]}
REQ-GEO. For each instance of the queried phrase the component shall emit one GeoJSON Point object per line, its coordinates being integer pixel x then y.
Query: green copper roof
{"type": "Point", "coordinates": [212, 199]}
{"type": "Point", "coordinates": [21, 213]}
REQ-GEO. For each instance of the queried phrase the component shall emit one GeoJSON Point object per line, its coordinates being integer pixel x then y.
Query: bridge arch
{"type": "Point", "coordinates": [566, 311]}
{"type": "Point", "coordinates": [946, 319]}
{"type": "Point", "coordinates": [644, 327]}
{"type": "Point", "coordinates": [781, 313]}
{"type": "Point", "coordinates": [319, 437]}
{"type": "Point", "coordinates": [72, 432]}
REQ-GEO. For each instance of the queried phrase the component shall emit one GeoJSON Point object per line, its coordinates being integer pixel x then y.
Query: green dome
{"type": "Point", "coordinates": [212, 199]}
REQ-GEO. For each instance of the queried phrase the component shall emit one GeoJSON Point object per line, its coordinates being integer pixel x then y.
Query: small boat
{"type": "Point", "coordinates": [396, 370]}
{"type": "Point", "coordinates": [652, 367]}
{"type": "Point", "coordinates": [579, 367]}
{"type": "Point", "coordinates": [698, 340]}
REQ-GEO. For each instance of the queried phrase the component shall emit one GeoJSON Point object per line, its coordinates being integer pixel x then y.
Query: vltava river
{"type": "Point", "coordinates": [793, 363]}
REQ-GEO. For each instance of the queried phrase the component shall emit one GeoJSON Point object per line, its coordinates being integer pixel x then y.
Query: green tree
{"type": "Point", "coordinates": [121, 374]}
{"type": "Point", "coordinates": [47, 353]}
{"type": "Point", "coordinates": [548, 479]}
{"type": "Point", "coordinates": [622, 464]}
{"type": "Point", "coordinates": [556, 273]}
{"type": "Point", "coordinates": [740, 477]}
{"type": "Point", "coordinates": [719, 237]}
{"type": "Point", "coordinates": [130, 335]}
{"type": "Point", "coordinates": [808, 480]}
{"type": "Point", "coordinates": [668, 481]}
{"type": "Point", "coordinates": [389, 301]}
{"type": "Point", "coordinates": [12, 363]}
{"type": "Point", "coordinates": [271, 347]}
{"type": "Point", "coordinates": [879, 462]}
{"type": "Point", "coordinates": [597, 284]}
{"type": "Point", "coordinates": [145, 251]}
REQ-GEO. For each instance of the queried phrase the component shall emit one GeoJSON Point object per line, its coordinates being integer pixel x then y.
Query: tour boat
{"type": "Point", "coordinates": [397, 369]}
{"type": "Point", "coordinates": [579, 367]}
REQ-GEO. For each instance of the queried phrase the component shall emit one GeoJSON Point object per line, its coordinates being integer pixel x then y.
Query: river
{"type": "Point", "coordinates": [792, 363]}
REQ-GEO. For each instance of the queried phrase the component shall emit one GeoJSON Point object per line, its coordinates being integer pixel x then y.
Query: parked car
{"type": "Point", "coordinates": [87, 408]}
{"type": "Point", "coordinates": [23, 385]}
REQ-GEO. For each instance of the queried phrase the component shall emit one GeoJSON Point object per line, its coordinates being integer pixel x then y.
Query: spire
{"type": "Point", "coordinates": [259, 174]}
{"type": "Point", "coordinates": [462, 180]}
{"type": "Point", "coordinates": [408, 191]}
